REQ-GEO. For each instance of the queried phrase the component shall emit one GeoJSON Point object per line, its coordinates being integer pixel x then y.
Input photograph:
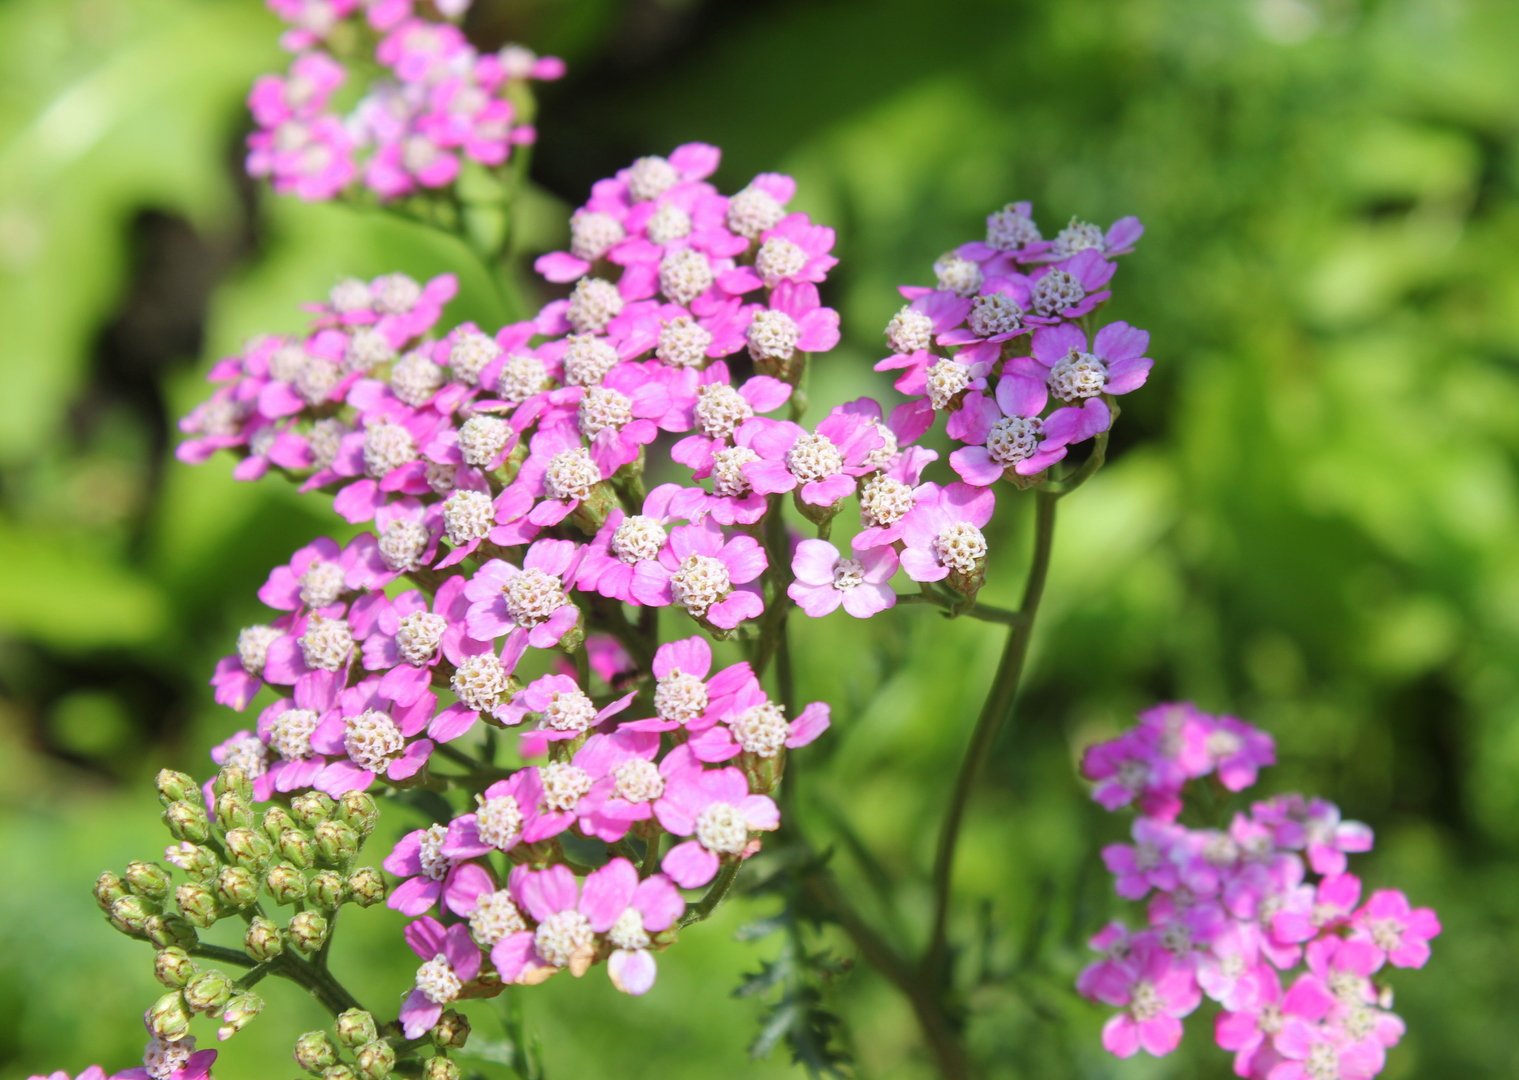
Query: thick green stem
{"type": "Point", "coordinates": [995, 714]}
{"type": "Point", "coordinates": [715, 893]}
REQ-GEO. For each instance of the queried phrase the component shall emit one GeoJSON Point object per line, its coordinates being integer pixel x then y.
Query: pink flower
{"type": "Point", "coordinates": [480, 682]}
{"type": "Point", "coordinates": [1315, 826]}
{"type": "Point", "coordinates": [712, 577]}
{"type": "Point", "coordinates": [622, 561]}
{"type": "Point", "coordinates": [368, 736]}
{"type": "Point", "coordinates": [630, 782]}
{"type": "Point", "coordinates": [718, 410]}
{"type": "Point", "coordinates": [1115, 364]}
{"type": "Point", "coordinates": [794, 322]}
{"type": "Point", "coordinates": [1400, 934]}
{"type": "Point", "coordinates": [1149, 863]}
{"type": "Point", "coordinates": [715, 808]}
{"type": "Point", "coordinates": [683, 695]}
{"type": "Point", "coordinates": [1070, 289]}
{"type": "Point", "coordinates": [239, 676]}
{"type": "Point", "coordinates": [1249, 1029]}
{"type": "Point", "coordinates": [315, 577]}
{"type": "Point", "coordinates": [564, 709]}
{"type": "Point", "coordinates": [565, 936]}
{"type": "Point", "coordinates": [825, 580]}
{"type": "Point", "coordinates": [530, 601]}
{"type": "Point", "coordinates": [942, 534]}
{"type": "Point", "coordinates": [430, 872]}
{"type": "Point", "coordinates": [1159, 990]}
{"type": "Point", "coordinates": [507, 812]}
{"type": "Point", "coordinates": [286, 727]}
{"type": "Point", "coordinates": [1012, 237]}
{"type": "Point", "coordinates": [1006, 433]}
{"type": "Point", "coordinates": [750, 723]}
{"type": "Point", "coordinates": [794, 250]}
{"type": "Point", "coordinates": [823, 464]}
{"type": "Point", "coordinates": [1315, 1052]}
{"type": "Point", "coordinates": [628, 911]}
{"type": "Point", "coordinates": [1239, 750]}
{"type": "Point", "coordinates": [451, 960]}
{"type": "Point", "coordinates": [167, 1061]}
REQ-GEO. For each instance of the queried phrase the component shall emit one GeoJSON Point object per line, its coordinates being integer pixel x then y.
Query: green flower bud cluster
{"type": "Point", "coordinates": [370, 1056]}
{"type": "Point", "coordinates": [301, 857]}
{"type": "Point", "coordinates": [194, 989]}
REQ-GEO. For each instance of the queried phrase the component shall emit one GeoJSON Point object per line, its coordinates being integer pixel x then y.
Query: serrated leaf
{"type": "Point", "coordinates": [760, 928]}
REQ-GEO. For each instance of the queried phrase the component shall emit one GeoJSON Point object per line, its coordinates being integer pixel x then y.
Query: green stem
{"type": "Point", "coordinates": [995, 714]}
{"type": "Point", "coordinates": [715, 893]}
{"type": "Point", "coordinates": [223, 956]}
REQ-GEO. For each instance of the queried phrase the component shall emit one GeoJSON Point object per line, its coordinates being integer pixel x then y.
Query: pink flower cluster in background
{"type": "Point", "coordinates": [161, 1061]}
{"type": "Point", "coordinates": [437, 103]}
{"type": "Point", "coordinates": [1259, 916]}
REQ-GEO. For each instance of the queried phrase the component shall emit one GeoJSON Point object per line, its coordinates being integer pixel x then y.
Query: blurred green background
{"type": "Point", "coordinates": [1311, 517]}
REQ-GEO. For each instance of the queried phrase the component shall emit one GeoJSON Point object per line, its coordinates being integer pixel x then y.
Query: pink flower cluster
{"type": "Point", "coordinates": [998, 345]}
{"type": "Point", "coordinates": [437, 103]}
{"type": "Point", "coordinates": [1260, 916]}
{"type": "Point", "coordinates": [161, 1061]}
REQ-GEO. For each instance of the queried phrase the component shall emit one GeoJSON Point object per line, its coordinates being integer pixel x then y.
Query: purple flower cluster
{"type": "Point", "coordinates": [1000, 346]}
{"type": "Point", "coordinates": [161, 1061]}
{"type": "Point", "coordinates": [436, 104]}
{"type": "Point", "coordinates": [1260, 917]}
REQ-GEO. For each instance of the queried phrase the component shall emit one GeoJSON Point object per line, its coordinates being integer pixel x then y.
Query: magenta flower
{"type": "Point", "coordinates": [719, 409]}
{"type": "Point", "coordinates": [1079, 236]}
{"type": "Point", "coordinates": [1239, 751]}
{"type": "Point", "coordinates": [480, 682]}
{"type": "Point", "coordinates": [714, 808]}
{"type": "Point", "coordinates": [622, 561]}
{"type": "Point", "coordinates": [1159, 991]}
{"type": "Point", "coordinates": [1070, 289]}
{"type": "Point", "coordinates": [1115, 364]}
{"type": "Point", "coordinates": [996, 315]}
{"type": "Point", "coordinates": [825, 580]}
{"type": "Point", "coordinates": [1012, 237]}
{"type": "Point", "coordinates": [411, 636]}
{"type": "Point", "coordinates": [1315, 826]}
{"type": "Point", "coordinates": [1249, 1030]}
{"type": "Point", "coordinates": [750, 723]}
{"type": "Point", "coordinates": [623, 413]}
{"type": "Point", "coordinates": [286, 727]}
{"type": "Point", "coordinates": [450, 960]}
{"type": "Point", "coordinates": [315, 577]}
{"type": "Point", "coordinates": [1400, 934]}
{"type": "Point", "coordinates": [505, 813]}
{"type": "Point", "coordinates": [823, 464]}
{"type": "Point", "coordinates": [564, 937]}
{"type": "Point", "coordinates": [1304, 911]}
{"type": "Point", "coordinates": [169, 1061]}
{"type": "Point", "coordinates": [565, 712]}
{"type": "Point", "coordinates": [1007, 433]}
{"type": "Point", "coordinates": [368, 736]}
{"type": "Point", "coordinates": [1149, 863]}
{"type": "Point", "coordinates": [530, 601]}
{"type": "Point", "coordinates": [942, 534]}
{"type": "Point", "coordinates": [794, 322]}
{"type": "Point", "coordinates": [628, 911]}
{"type": "Point", "coordinates": [712, 577]}
{"type": "Point", "coordinates": [630, 781]}
{"type": "Point", "coordinates": [683, 695]}
{"type": "Point", "coordinates": [430, 873]}
{"type": "Point", "coordinates": [794, 250]}
{"type": "Point", "coordinates": [1316, 1052]}
{"type": "Point", "coordinates": [239, 676]}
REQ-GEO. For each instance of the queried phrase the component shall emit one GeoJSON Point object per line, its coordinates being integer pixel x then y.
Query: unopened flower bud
{"type": "Point", "coordinates": [336, 843]}
{"type": "Point", "coordinates": [198, 861]}
{"type": "Point", "coordinates": [130, 913]}
{"type": "Point", "coordinates": [451, 1031]}
{"type": "Point", "coordinates": [315, 1052]}
{"type": "Point", "coordinates": [109, 888]}
{"type": "Point", "coordinates": [312, 808]}
{"type": "Point", "coordinates": [197, 904]}
{"type": "Point", "coordinates": [175, 786]}
{"type": "Point", "coordinates": [355, 1028]}
{"type": "Point", "coordinates": [173, 967]}
{"type": "Point", "coordinates": [326, 890]}
{"type": "Point", "coordinates": [263, 940]}
{"type": "Point", "coordinates": [307, 931]}
{"type": "Point", "coordinates": [238, 1014]}
{"type": "Point", "coordinates": [358, 810]}
{"type": "Point", "coordinates": [297, 848]}
{"type": "Point", "coordinates": [339, 1072]}
{"type": "Point", "coordinates": [237, 887]}
{"type": "Point", "coordinates": [169, 1018]}
{"type": "Point", "coordinates": [232, 780]}
{"type": "Point", "coordinates": [208, 992]}
{"type": "Point", "coordinates": [233, 811]}
{"type": "Point", "coordinates": [248, 848]}
{"type": "Point", "coordinates": [366, 886]}
{"type": "Point", "coordinates": [285, 883]}
{"type": "Point", "coordinates": [276, 820]}
{"type": "Point", "coordinates": [187, 821]}
{"type": "Point", "coordinates": [148, 879]}
{"type": "Point", "coordinates": [169, 930]}
{"type": "Point", "coordinates": [440, 1068]}
{"type": "Point", "coordinates": [375, 1060]}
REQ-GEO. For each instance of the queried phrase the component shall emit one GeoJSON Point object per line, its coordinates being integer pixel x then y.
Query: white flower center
{"type": "Point", "coordinates": [479, 682]}
{"type": "Point", "coordinates": [1057, 291]}
{"type": "Point", "coordinates": [602, 408]}
{"type": "Point", "coordinates": [848, 574]}
{"type": "Point", "coordinates": [1009, 230]}
{"type": "Point", "coordinates": [471, 353]}
{"type": "Point", "coordinates": [814, 457]}
{"type": "Point", "coordinates": [495, 917]}
{"type": "Point", "coordinates": [637, 538]}
{"type": "Point", "coordinates": [435, 865]}
{"type": "Point", "coordinates": [960, 546]}
{"type": "Point", "coordinates": [909, 331]}
{"type": "Point", "coordinates": [499, 821]}
{"type": "Point", "coordinates": [700, 582]}
{"type": "Point", "coordinates": [437, 981]}
{"type": "Point", "coordinates": [1386, 934]}
{"type": "Point", "coordinates": [1012, 439]}
{"type": "Point", "coordinates": [372, 740]}
{"type": "Point", "coordinates": [249, 754]}
{"type": "Point", "coordinates": [563, 785]}
{"type": "Point", "coordinates": [1144, 1002]}
{"type": "Point", "coordinates": [683, 342]}
{"type": "Point", "coordinates": [650, 177]}
{"type": "Point", "coordinates": [395, 294]}
{"type": "Point", "coordinates": [762, 730]}
{"type": "Point", "coordinates": [402, 544]}
{"type": "Point", "coordinates": [467, 516]}
{"type": "Point", "coordinates": [366, 349]}
{"type": "Point", "coordinates": [722, 830]}
{"type": "Point", "coordinates": [884, 501]}
{"type": "Point", "coordinates": [638, 781]}
{"type": "Point", "coordinates": [533, 596]}
{"type": "Point", "coordinates": [569, 711]}
{"type": "Point", "coordinates": [327, 643]}
{"type": "Point", "coordinates": [882, 455]}
{"type": "Point", "coordinates": [348, 296]}
{"type": "Point", "coordinates": [387, 446]}
{"type": "Point", "coordinates": [594, 303]}
{"type": "Point", "coordinates": [773, 335]}
{"type": "Point", "coordinates": [571, 475]}
{"type": "Point", "coordinates": [415, 378]}
{"type": "Point", "coordinates": [720, 409]}
{"type": "Point", "coordinates": [995, 313]}
{"type": "Point", "coordinates": [592, 234]}
{"type": "Point", "coordinates": [1079, 375]}
{"type": "Point", "coordinates": [778, 259]}
{"type": "Point", "coordinates": [959, 276]}
{"type": "Point", "coordinates": [680, 698]}
{"type": "Point", "coordinates": [253, 647]}
{"type": "Point", "coordinates": [728, 477]}
{"type": "Point", "coordinates": [562, 936]}
{"type": "Point", "coordinates": [326, 440]}
{"type": "Point", "coordinates": [1323, 1062]}
{"type": "Point", "coordinates": [315, 380]}
{"type": "Point", "coordinates": [418, 635]}
{"type": "Point", "coordinates": [1078, 236]}
{"type": "Point", "coordinates": [669, 223]}
{"type": "Point", "coordinates": [290, 734]}
{"type": "Point", "coordinates": [684, 275]}
{"type": "Point", "coordinates": [521, 377]}
{"type": "Point", "coordinates": [752, 211]}
{"type": "Point", "coordinates": [321, 584]}
{"type": "Point", "coordinates": [482, 438]}
{"type": "Point", "coordinates": [587, 359]}
{"type": "Point", "coordinates": [628, 932]}
{"type": "Point", "coordinates": [164, 1059]}
{"type": "Point", "coordinates": [946, 380]}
